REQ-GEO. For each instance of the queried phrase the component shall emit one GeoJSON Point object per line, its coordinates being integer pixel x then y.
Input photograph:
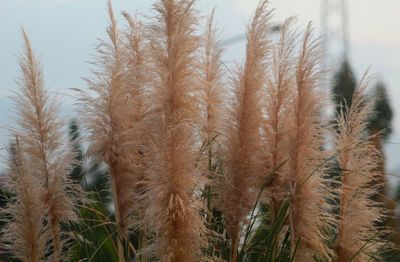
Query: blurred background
{"type": "Point", "coordinates": [356, 35]}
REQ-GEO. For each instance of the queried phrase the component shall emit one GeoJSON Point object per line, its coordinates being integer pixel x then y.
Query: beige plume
{"type": "Point", "coordinates": [50, 161]}
{"type": "Point", "coordinates": [244, 143]}
{"type": "Point", "coordinates": [358, 232]}
{"type": "Point", "coordinates": [173, 175]}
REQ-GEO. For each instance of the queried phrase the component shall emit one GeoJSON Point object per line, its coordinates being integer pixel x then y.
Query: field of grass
{"type": "Point", "coordinates": [189, 160]}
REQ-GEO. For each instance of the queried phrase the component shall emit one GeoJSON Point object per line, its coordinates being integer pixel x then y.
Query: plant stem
{"type": "Point", "coordinates": [121, 256]}
{"type": "Point", "coordinates": [208, 186]}
{"type": "Point", "coordinates": [235, 244]}
{"type": "Point", "coordinates": [292, 235]}
{"type": "Point", "coordinates": [55, 230]}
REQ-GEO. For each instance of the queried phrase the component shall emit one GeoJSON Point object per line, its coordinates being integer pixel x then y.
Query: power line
{"type": "Point", "coordinates": [239, 38]}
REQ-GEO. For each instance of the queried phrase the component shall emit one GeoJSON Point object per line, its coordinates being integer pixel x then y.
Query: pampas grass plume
{"type": "Point", "coordinates": [309, 210]}
{"type": "Point", "coordinates": [359, 236]}
{"type": "Point", "coordinates": [40, 132]}
{"type": "Point", "coordinates": [243, 156]}
{"type": "Point", "coordinates": [173, 177]}
{"type": "Point", "coordinates": [26, 235]}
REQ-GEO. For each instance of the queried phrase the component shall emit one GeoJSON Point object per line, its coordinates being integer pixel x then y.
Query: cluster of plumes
{"type": "Point", "coordinates": [157, 96]}
{"type": "Point", "coordinates": [143, 122]}
{"type": "Point", "coordinates": [359, 238]}
{"type": "Point", "coordinates": [276, 138]}
{"type": "Point", "coordinates": [294, 140]}
{"type": "Point", "coordinates": [161, 95]}
{"type": "Point", "coordinates": [276, 142]}
{"type": "Point", "coordinates": [45, 196]}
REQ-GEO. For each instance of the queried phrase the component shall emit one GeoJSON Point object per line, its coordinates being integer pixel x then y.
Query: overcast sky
{"type": "Point", "coordinates": [64, 33]}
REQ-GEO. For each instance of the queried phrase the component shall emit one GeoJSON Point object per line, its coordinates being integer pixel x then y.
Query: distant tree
{"type": "Point", "coordinates": [344, 84]}
{"type": "Point", "coordinates": [380, 120]}
{"type": "Point", "coordinates": [90, 172]}
{"type": "Point", "coordinates": [343, 87]}
{"type": "Point", "coordinates": [379, 123]}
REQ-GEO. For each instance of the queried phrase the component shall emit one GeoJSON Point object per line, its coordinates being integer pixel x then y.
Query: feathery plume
{"type": "Point", "coordinates": [39, 130]}
{"type": "Point", "coordinates": [212, 70]}
{"type": "Point", "coordinates": [243, 155]}
{"type": "Point", "coordinates": [137, 61]}
{"type": "Point", "coordinates": [359, 236]}
{"type": "Point", "coordinates": [173, 176]}
{"type": "Point", "coordinates": [308, 193]}
{"type": "Point", "coordinates": [279, 98]}
{"type": "Point", "coordinates": [25, 236]}
{"type": "Point", "coordinates": [111, 115]}
{"type": "Point", "coordinates": [138, 78]}
{"type": "Point", "coordinates": [215, 106]}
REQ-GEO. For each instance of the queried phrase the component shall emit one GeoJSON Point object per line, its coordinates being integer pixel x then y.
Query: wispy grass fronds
{"type": "Point", "coordinates": [139, 77]}
{"type": "Point", "coordinates": [213, 79]}
{"type": "Point", "coordinates": [138, 80]}
{"type": "Point", "coordinates": [50, 161]}
{"type": "Point", "coordinates": [26, 234]}
{"type": "Point", "coordinates": [174, 178]}
{"type": "Point", "coordinates": [280, 82]}
{"type": "Point", "coordinates": [243, 156]}
{"type": "Point", "coordinates": [109, 113]}
{"type": "Point", "coordinates": [359, 234]}
{"type": "Point", "coordinates": [309, 209]}
{"type": "Point", "coordinates": [138, 63]}
{"type": "Point", "coordinates": [216, 107]}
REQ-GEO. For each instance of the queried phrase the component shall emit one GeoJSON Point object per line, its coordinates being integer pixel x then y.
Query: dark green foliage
{"type": "Point", "coordinates": [90, 173]}
{"type": "Point", "coordinates": [74, 136]}
{"type": "Point", "coordinates": [95, 234]}
{"type": "Point", "coordinates": [265, 243]}
{"type": "Point", "coordinates": [5, 198]}
{"type": "Point", "coordinates": [392, 254]}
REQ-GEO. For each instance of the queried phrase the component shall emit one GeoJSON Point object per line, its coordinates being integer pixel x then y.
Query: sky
{"type": "Point", "coordinates": [64, 33]}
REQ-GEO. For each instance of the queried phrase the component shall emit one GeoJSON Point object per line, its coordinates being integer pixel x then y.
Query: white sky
{"type": "Point", "coordinates": [64, 33]}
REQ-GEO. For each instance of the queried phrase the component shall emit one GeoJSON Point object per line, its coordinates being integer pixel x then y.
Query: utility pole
{"type": "Point", "coordinates": [335, 34]}
{"type": "Point", "coordinates": [345, 29]}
